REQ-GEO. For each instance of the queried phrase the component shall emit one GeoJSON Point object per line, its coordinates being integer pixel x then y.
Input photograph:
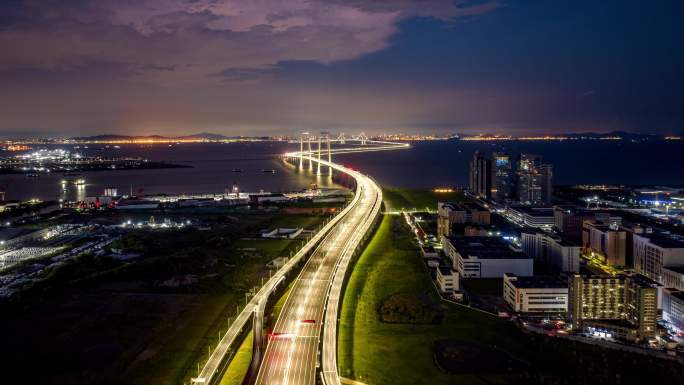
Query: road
{"type": "Point", "coordinates": [291, 354]}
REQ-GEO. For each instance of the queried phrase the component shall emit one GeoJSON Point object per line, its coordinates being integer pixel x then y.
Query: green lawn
{"type": "Point", "coordinates": [239, 364]}
{"type": "Point", "coordinates": [379, 353]}
{"type": "Point", "coordinates": [420, 199]}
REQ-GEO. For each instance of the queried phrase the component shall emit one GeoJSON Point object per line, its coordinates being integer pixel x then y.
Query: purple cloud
{"type": "Point", "coordinates": [198, 38]}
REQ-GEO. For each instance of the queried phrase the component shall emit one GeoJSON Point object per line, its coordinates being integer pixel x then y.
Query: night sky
{"type": "Point", "coordinates": [73, 67]}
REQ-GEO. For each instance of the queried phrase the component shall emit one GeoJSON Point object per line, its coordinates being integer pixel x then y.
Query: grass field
{"type": "Point", "coordinates": [379, 353]}
{"type": "Point", "coordinates": [141, 322]}
{"type": "Point", "coordinates": [239, 364]}
{"type": "Point", "coordinates": [419, 199]}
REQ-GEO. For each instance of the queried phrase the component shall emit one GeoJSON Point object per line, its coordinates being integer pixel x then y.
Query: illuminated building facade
{"type": "Point", "coordinates": [503, 183]}
{"type": "Point", "coordinates": [607, 241]}
{"type": "Point", "coordinates": [623, 306]}
{"type": "Point", "coordinates": [534, 184]}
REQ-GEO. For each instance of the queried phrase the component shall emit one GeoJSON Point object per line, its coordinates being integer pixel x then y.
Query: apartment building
{"type": "Point", "coordinates": [623, 306]}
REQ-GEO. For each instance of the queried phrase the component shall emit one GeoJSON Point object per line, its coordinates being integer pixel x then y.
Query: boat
{"type": "Point", "coordinates": [75, 182]}
{"type": "Point", "coordinates": [237, 170]}
{"type": "Point", "coordinates": [268, 171]}
{"type": "Point", "coordinates": [32, 175]}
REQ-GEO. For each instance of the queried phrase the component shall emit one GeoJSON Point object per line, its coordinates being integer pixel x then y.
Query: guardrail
{"type": "Point", "coordinates": [208, 373]}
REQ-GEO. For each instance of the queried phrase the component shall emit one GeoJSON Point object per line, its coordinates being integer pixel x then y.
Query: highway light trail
{"type": "Point", "coordinates": [293, 360]}
{"type": "Point", "coordinates": [316, 293]}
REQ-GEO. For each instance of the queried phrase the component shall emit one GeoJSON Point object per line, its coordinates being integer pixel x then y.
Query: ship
{"type": "Point", "coordinates": [75, 182]}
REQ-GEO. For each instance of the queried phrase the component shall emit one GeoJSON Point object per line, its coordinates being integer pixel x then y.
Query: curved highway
{"type": "Point", "coordinates": [292, 353]}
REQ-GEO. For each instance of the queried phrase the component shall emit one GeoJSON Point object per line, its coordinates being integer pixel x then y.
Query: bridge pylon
{"type": "Point", "coordinates": [309, 152]}
{"type": "Point", "coordinates": [363, 138]}
{"type": "Point", "coordinates": [330, 170]}
{"type": "Point", "coordinates": [318, 166]}
{"type": "Point", "coordinates": [301, 148]}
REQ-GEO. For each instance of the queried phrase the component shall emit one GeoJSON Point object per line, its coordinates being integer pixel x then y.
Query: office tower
{"type": "Point", "coordinates": [480, 176]}
{"type": "Point", "coordinates": [534, 180]}
{"type": "Point", "coordinates": [503, 182]}
{"type": "Point", "coordinates": [621, 306]}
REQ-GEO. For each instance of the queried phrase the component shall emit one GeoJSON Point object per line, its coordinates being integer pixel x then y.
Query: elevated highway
{"type": "Point", "coordinates": [305, 334]}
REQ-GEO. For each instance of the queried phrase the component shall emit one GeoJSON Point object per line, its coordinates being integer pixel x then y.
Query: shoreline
{"type": "Point", "coordinates": [100, 167]}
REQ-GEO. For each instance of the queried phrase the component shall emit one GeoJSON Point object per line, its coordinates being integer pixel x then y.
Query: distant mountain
{"type": "Point", "coordinates": [204, 135]}
{"type": "Point", "coordinates": [622, 134]}
{"type": "Point", "coordinates": [113, 137]}
{"type": "Point", "coordinates": [118, 137]}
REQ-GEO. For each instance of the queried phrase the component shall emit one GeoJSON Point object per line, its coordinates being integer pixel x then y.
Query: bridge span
{"type": "Point", "coordinates": [304, 338]}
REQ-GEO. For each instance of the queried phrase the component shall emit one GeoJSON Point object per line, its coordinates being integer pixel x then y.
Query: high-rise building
{"type": "Point", "coordinates": [480, 176]}
{"type": "Point", "coordinates": [622, 306]}
{"type": "Point", "coordinates": [534, 180]}
{"type": "Point", "coordinates": [494, 178]}
{"type": "Point", "coordinates": [503, 183]}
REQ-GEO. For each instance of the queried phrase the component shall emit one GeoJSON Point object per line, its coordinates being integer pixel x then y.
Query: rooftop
{"type": "Point", "coordinates": [556, 237]}
{"type": "Point", "coordinates": [676, 269]}
{"type": "Point", "coordinates": [638, 279]}
{"type": "Point", "coordinates": [572, 209]}
{"type": "Point", "coordinates": [664, 241]}
{"type": "Point", "coordinates": [485, 248]}
{"type": "Point", "coordinates": [462, 206]}
{"type": "Point", "coordinates": [678, 294]}
{"type": "Point", "coordinates": [534, 211]}
{"type": "Point", "coordinates": [538, 281]}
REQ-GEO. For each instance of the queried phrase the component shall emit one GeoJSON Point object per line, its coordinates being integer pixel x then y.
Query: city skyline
{"type": "Point", "coordinates": [236, 68]}
{"type": "Point", "coordinates": [335, 192]}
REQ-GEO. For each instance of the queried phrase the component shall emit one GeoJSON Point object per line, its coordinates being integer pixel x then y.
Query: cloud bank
{"type": "Point", "coordinates": [190, 42]}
